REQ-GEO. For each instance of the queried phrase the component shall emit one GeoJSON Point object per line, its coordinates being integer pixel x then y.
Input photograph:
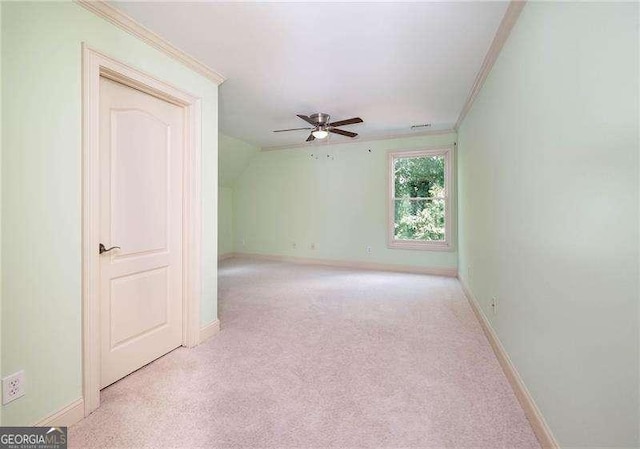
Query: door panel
{"type": "Point", "coordinates": [140, 151]}
{"type": "Point", "coordinates": [138, 305]}
{"type": "Point", "coordinates": [141, 186]}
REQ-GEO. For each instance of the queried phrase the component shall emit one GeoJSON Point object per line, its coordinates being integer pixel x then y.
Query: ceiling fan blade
{"type": "Point", "coordinates": [342, 132]}
{"type": "Point", "coordinates": [292, 129]}
{"type": "Point", "coordinates": [307, 119]}
{"type": "Point", "coordinates": [349, 121]}
{"type": "Point", "coordinates": [311, 138]}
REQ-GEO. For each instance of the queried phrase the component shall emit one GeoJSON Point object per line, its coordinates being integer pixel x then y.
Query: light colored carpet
{"type": "Point", "coordinates": [318, 357]}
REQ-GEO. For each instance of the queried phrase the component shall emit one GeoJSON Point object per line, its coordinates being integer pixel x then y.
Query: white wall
{"type": "Point", "coordinates": [41, 191]}
{"type": "Point", "coordinates": [548, 175]}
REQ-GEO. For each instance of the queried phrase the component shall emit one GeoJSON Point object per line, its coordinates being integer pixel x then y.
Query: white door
{"type": "Point", "coordinates": [141, 187]}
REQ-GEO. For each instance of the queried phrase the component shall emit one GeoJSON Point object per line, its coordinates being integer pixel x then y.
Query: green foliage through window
{"type": "Point", "coordinates": [419, 197]}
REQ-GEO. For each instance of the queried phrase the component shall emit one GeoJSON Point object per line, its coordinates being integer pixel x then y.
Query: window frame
{"type": "Point", "coordinates": [424, 245]}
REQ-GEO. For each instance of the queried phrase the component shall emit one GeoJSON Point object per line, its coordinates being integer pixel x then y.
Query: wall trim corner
{"type": "Point", "coordinates": [209, 330]}
{"type": "Point", "coordinates": [125, 22]}
{"type": "Point", "coordinates": [502, 34]}
{"type": "Point", "coordinates": [66, 416]}
{"type": "Point", "coordinates": [225, 256]}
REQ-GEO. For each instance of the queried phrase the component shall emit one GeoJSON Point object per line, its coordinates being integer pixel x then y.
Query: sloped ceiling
{"type": "Point", "coordinates": [233, 157]}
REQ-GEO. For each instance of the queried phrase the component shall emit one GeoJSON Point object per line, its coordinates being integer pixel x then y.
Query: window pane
{"type": "Point", "coordinates": [419, 177]}
{"type": "Point", "coordinates": [419, 220]}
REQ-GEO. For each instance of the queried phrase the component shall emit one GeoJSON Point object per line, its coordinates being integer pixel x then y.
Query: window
{"type": "Point", "coordinates": [419, 207]}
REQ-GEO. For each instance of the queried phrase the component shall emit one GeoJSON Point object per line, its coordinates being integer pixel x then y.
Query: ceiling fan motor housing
{"type": "Point", "coordinates": [322, 126]}
{"type": "Point", "coordinates": [320, 118]}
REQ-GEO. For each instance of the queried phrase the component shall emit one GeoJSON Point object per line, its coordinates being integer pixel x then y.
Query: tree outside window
{"type": "Point", "coordinates": [419, 199]}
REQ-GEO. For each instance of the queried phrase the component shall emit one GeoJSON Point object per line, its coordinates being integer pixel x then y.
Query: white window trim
{"type": "Point", "coordinates": [423, 245]}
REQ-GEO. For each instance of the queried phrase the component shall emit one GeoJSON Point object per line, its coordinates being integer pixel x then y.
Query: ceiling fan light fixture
{"type": "Point", "coordinates": [320, 133]}
{"type": "Point", "coordinates": [322, 127]}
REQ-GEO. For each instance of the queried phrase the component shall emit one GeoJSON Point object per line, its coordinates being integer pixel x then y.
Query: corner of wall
{"type": "Point", "coordinates": [234, 157]}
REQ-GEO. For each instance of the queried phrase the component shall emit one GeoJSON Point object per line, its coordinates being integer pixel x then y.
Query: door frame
{"type": "Point", "coordinates": [94, 66]}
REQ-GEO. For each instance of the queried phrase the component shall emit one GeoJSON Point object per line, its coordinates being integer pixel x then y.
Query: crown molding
{"type": "Point", "coordinates": [131, 26]}
{"type": "Point", "coordinates": [502, 34]}
{"type": "Point", "coordinates": [316, 144]}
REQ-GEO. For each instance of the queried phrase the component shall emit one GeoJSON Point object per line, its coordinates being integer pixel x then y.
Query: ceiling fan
{"type": "Point", "coordinates": [322, 127]}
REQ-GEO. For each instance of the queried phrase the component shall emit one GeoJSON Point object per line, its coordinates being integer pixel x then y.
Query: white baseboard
{"type": "Point", "coordinates": [435, 271]}
{"type": "Point", "coordinates": [209, 330]}
{"type": "Point", "coordinates": [531, 410]}
{"type": "Point", "coordinates": [66, 416]}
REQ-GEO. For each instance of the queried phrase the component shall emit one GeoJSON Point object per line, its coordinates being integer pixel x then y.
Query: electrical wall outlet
{"type": "Point", "coordinates": [314, 246]}
{"type": "Point", "coordinates": [369, 250]}
{"type": "Point", "coordinates": [494, 305]}
{"type": "Point", "coordinates": [12, 387]}
{"type": "Point", "coordinates": [294, 245]}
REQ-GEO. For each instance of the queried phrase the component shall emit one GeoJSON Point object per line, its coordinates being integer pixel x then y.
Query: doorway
{"type": "Point", "coordinates": [141, 221]}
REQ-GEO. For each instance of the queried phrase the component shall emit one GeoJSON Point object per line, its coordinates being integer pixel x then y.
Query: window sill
{"type": "Point", "coordinates": [419, 245]}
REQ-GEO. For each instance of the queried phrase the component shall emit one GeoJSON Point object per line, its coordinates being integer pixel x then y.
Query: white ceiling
{"type": "Point", "coordinates": [393, 64]}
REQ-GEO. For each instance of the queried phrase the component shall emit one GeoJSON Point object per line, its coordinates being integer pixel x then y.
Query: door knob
{"type": "Point", "coordinates": [102, 249]}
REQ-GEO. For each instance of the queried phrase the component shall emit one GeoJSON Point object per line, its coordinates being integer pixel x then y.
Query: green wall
{"type": "Point", "coordinates": [225, 220]}
{"type": "Point", "coordinates": [233, 158]}
{"type": "Point", "coordinates": [336, 198]}
{"type": "Point", "coordinates": [41, 191]}
{"type": "Point", "coordinates": [548, 178]}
